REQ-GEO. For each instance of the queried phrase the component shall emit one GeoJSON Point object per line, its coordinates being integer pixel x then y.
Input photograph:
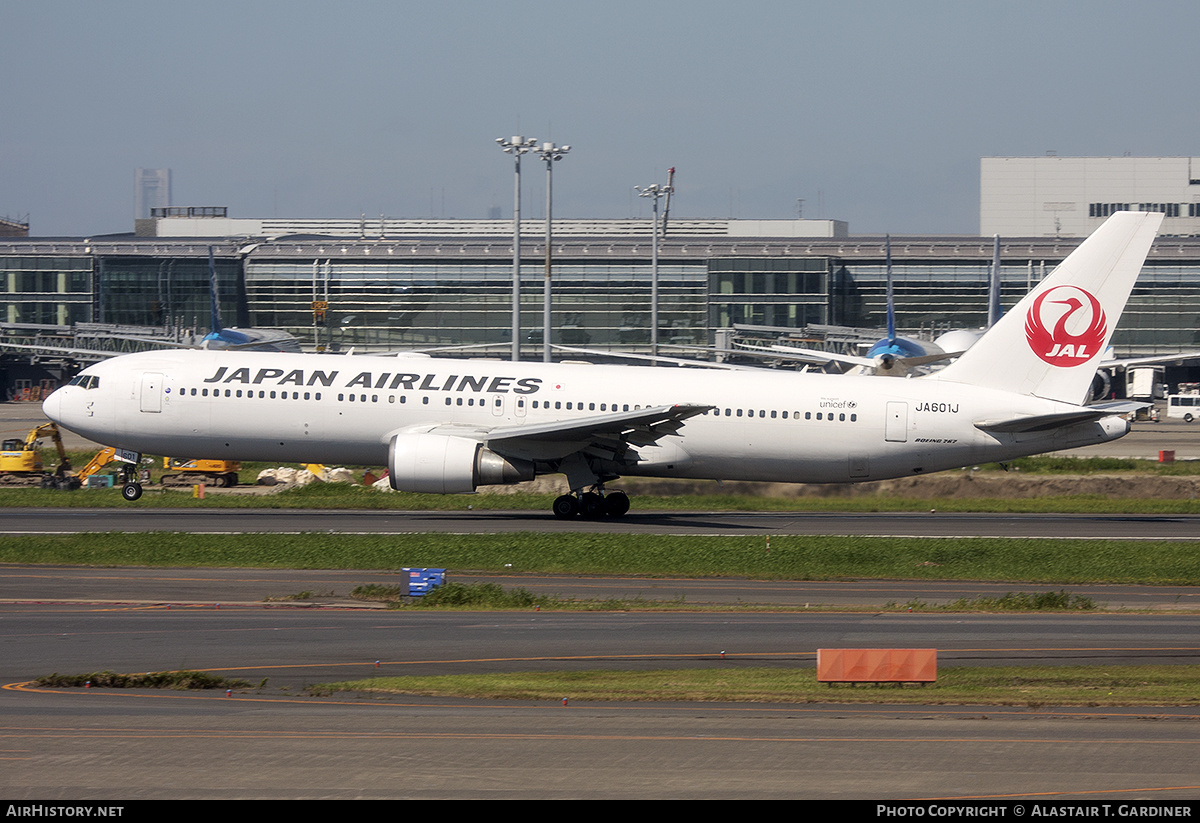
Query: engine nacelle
{"type": "Point", "coordinates": [1101, 386]}
{"type": "Point", "coordinates": [438, 464]}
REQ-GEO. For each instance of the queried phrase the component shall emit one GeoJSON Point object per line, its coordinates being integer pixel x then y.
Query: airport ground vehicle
{"type": "Point", "coordinates": [21, 460]}
{"type": "Point", "coordinates": [220, 473]}
{"type": "Point", "coordinates": [1186, 406]}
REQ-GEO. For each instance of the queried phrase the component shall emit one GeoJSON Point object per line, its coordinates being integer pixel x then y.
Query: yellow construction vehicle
{"type": "Point", "coordinates": [220, 473]}
{"type": "Point", "coordinates": [101, 459]}
{"type": "Point", "coordinates": [21, 461]}
{"type": "Point", "coordinates": [131, 489]}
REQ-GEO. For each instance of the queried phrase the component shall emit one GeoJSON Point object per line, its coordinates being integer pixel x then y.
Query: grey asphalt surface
{"type": "Point", "coordinates": [277, 742]}
{"type": "Point", "coordinates": [131, 586]}
{"type": "Point", "coordinates": [274, 741]}
{"type": "Point", "coordinates": [882, 524]}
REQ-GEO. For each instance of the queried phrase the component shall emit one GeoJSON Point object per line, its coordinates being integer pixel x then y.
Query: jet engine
{"type": "Point", "coordinates": [441, 464]}
{"type": "Point", "coordinates": [1101, 386]}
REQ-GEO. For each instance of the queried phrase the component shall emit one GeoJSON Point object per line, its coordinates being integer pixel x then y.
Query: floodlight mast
{"type": "Point", "coordinates": [654, 191]}
{"type": "Point", "coordinates": [550, 153]}
{"type": "Point", "coordinates": [516, 146]}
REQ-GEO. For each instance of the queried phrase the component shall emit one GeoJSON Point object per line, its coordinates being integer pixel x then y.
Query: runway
{"type": "Point", "coordinates": [18, 521]}
{"type": "Point", "coordinates": [139, 586]}
{"type": "Point", "coordinates": [275, 741]}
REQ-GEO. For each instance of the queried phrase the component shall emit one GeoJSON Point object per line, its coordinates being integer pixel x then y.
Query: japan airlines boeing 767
{"type": "Point", "coordinates": [449, 426]}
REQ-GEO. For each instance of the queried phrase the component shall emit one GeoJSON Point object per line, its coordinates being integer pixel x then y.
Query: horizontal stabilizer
{"type": "Point", "coordinates": [1058, 420]}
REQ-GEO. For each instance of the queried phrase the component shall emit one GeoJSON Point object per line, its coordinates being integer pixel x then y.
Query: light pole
{"type": "Point", "coordinates": [654, 191]}
{"type": "Point", "coordinates": [548, 152]}
{"type": "Point", "coordinates": [516, 146]}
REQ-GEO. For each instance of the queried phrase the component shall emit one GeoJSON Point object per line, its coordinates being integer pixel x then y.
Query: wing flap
{"type": "Point", "coordinates": [619, 427]}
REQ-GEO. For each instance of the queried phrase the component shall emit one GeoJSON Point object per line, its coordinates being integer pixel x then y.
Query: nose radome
{"type": "Point", "coordinates": [52, 406]}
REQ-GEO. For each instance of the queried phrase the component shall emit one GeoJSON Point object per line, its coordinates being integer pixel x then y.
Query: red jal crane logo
{"type": "Point", "coordinates": [1066, 344]}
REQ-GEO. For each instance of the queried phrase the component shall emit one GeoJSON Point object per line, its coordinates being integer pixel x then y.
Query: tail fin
{"type": "Point", "coordinates": [994, 311]}
{"type": "Point", "coordinates": [214, 296]}
{"type": "Point", "coordinates": [1050, 343]}
{"type": "Point", "coordinates": [891, 298]}
{"type": "Point", "coordinates": [220, 337]}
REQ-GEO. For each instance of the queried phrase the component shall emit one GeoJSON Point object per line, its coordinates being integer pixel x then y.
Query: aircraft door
{"type": "Point", "coordinates": [896, 425]}
{"type": "Point", "coordinates": [151, 392]}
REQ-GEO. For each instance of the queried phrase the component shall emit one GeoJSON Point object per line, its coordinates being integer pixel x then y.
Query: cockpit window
{"type": "Point", "coordinates": [86, 381]}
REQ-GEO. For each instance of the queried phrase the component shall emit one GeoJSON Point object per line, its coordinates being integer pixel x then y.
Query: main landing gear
{"type": "Point", "coordinates": [591, 505]}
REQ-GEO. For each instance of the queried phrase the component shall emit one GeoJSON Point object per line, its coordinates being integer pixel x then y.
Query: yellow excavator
{"type": "Point", "coordinates": [21, 461]}
{"type": "Point", "coordinates": [220, 473]}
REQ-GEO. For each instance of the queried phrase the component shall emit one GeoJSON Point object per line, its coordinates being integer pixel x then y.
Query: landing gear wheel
{"type": "Point", "coordinates": [616, 504]}
{"type": "Point", "coordinates": [591, 505]}
{"type": "Point", "coordinates": [131, 491]}
{"type": "Point", "coordinates": [565, 507]}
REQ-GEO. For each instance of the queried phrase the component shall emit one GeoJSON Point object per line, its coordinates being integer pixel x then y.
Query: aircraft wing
{"type": "Point", "coordinates": [1149, 360]}
{"type": "Point", "coordinates": [640, 427]}
{"type": "Point", "coordinates": [1045, 422]}
{"type": "Point", "coordinates": [609, 433]}
{"type": "Point", "coordinates": [815, 356]}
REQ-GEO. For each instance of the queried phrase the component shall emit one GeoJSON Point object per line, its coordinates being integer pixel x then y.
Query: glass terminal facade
{"type": "Point", "coordinates": [405, 304]}
{"type": "Point", "coordinates": [46, 290]}
{"type": "Point", "coordinates": [395, 294]}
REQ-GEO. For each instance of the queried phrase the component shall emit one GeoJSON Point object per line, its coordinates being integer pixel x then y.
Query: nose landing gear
{"type": "Point", "coordinates": [131, 489]}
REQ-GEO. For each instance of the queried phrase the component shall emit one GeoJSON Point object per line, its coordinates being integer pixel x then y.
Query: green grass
{"type": "Point", "coordinates": [1066, 465]}
{"type": "Point", "coordinates": [791, 557]}
{"type": "Point", "coordinates": [1002, 686]}
{"type": "Point", "coordinates": [181, 680]}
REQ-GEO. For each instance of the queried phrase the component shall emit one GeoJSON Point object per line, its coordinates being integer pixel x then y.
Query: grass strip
{"type": "Point", "coordinates": [180, 680]}
{"type": "Point", "coordinates": [1034, 686]}
{"type": "Point", "coordinates": [789, 557]}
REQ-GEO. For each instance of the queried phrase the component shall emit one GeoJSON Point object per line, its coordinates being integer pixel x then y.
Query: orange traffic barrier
{"type": "Point", "coordinates": [876, 665]}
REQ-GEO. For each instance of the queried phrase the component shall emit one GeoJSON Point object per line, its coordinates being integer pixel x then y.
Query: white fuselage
{"type": "Point", "coordinates": [767, 426]}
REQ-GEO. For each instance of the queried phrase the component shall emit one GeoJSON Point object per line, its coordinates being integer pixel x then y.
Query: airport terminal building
{"type": "Point", "coordinates": [1052, 196]}
{"type": "Point", "coordinates": [390, 285]}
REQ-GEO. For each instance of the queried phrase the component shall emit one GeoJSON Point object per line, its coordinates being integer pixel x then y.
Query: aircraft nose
{"type": "Point", "coordinates": [52, 406]}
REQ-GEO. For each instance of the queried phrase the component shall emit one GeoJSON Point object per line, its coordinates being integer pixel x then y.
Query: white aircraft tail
{"type": "Point", "coordinates": [1050, 343]}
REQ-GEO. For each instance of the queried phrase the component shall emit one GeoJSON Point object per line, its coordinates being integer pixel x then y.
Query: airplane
{"type": "Point", "coordinates": [893, 355]}
{"type": "Point", "coordinates": [451, 425]}
{"type": "Point", "coordinates": [222, 337]}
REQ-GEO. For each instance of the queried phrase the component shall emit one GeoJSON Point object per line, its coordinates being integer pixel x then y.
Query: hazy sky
{"type": "Point", "coordinates": [872, 112]}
